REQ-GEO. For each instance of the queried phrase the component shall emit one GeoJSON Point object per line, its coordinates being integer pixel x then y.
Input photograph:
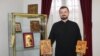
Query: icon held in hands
{"type": "Point", "coordinates": [46, 48]}
{"type": "Point", "coordinates": [81, 47]}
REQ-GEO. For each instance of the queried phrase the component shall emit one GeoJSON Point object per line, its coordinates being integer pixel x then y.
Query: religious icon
{"type": "Point", "coordinates": [35, 26]}
{"type": "Point", "coordinates": [45, 47]}
{"type": "Point", "coordinates": [28, 40]}
{"type": "Point", "coordinates": [18, 27]}
{"type": "Point", "coordinates": [81, 46]}
{"type": "Point", "coordinates": [33, 8]}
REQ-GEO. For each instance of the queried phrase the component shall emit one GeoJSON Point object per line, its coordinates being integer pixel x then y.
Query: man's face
{"type": "Point", "coordinates": [64, 13]}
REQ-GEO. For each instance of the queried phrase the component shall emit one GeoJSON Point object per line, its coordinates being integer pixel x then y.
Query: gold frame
{"type": "Point", "coordinates": [13, 22]}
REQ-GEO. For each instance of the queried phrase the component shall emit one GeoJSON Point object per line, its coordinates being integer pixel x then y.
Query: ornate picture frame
{"type": "Point", "coordinates": [28, 40]}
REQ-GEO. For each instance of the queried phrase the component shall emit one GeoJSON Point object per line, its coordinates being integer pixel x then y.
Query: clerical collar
{"type": "Point", "coordinates": [64, 20]}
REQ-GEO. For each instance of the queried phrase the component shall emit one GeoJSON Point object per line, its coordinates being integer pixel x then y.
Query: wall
{"type": "Point", "coordinates": [96, 27]}
{"type": "Point", "coordinates": [7, 6]}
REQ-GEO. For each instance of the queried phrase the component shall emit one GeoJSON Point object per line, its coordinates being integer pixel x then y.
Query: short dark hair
{"type": "Point", "coordinates": [62, 7]}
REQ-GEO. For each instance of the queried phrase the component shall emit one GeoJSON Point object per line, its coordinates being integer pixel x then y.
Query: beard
{"type": "Point", "coordinates": [64, 18]}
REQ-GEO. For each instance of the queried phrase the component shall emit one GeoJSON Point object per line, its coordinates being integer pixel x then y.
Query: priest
{"type": "Point", "coordinates": [66, 33]}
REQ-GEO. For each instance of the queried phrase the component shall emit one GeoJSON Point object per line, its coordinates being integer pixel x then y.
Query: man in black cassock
{"type": "Point", "coordinates": [66, 34]}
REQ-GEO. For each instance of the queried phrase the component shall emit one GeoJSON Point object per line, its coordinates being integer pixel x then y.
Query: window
{"type": "Point", "coordinates": [74, 7]}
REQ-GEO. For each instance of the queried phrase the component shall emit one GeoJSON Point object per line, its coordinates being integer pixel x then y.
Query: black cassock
{"type": "Point", "coordinates": [66, 35]}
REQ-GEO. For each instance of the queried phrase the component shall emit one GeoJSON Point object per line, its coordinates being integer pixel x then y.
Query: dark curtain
{"type": "Point", "coordinates": [45, 9]}
{"type": "Point", "coordinates": [86, 6]}
{"type": "Point", "coordinates": [46, 5]}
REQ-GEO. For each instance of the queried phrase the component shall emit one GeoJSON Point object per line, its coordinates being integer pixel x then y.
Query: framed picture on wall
{"type": "Point", "coordinates": [28, 40]}
{"type": "Point", "coordinates": [35, 26]}
{"type": "Point", "coordinates": [33, 8]}
{"type": "Point", "coordinates": [18, 27]}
